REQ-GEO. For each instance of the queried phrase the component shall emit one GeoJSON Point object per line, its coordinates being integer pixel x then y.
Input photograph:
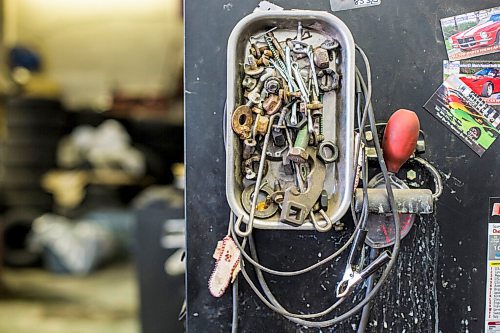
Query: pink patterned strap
{"type": "Point", "coordinates": [227, 266]}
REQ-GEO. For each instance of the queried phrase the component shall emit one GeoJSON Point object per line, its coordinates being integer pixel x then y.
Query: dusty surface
{"type": "Point", "coordinates": [37, 301]}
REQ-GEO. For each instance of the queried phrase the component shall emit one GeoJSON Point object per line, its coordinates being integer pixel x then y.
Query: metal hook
{"type": "Point", "coordinates": [317, 226]}
{"type": "Point", "coordinates": [237, 226]}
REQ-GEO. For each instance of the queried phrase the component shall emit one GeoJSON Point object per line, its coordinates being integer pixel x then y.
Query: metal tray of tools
{"type": "Point", "coordinates": [338, 109]}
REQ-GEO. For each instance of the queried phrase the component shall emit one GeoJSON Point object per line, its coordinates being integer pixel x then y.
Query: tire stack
{"type": "Point", "coordinates": [34, 128]}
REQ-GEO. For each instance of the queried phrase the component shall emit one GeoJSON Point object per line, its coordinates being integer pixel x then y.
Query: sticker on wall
{"type": "Point", "coordinates": [492, 313]}
{"type": "Point", "coordinates": [482, 76]}
{"type": "Point", "coordinates": [472, 34]}
{"type": "Point", "coordinates": [338, 5]}
{"type": "Point", "coordinates": [467, 116]}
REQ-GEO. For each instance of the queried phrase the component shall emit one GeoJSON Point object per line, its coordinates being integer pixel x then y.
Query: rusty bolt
{"type": "Point", "coordinates": [255, 51]}
{"type": "Point", "coordinates": [321, 58]}
{"type": "Point", "coordinates": [315, 104]}
{"type": "Point", "coordinates": [263, 61]}
{"type": "Point", "coordinates": [267, 53]}
{"type": "Point", "coordinates": [272, 104]}
{"type": "Point", "coordinates": [249, 83]}
{"type": "Point", "coordinates": [298, 155]}
{"type": "Point", "coordinates": [257, 110]}
{"type": "Point", "coordinates": [262, 123]}
{"type": "Point", "coordinates": [252, 68]}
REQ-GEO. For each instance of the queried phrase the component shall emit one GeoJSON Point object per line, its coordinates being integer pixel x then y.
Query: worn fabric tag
{"type": "Point", "coordinates": [227, 266]}
{"type": "Point", "coordinates": [338, 5]}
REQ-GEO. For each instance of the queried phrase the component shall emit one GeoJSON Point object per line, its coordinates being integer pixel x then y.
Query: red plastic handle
{"type": "Point", "coordinates": [400, 138]}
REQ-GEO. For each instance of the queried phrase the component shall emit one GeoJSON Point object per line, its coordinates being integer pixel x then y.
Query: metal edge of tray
{"type": "Point", "coordinates": [348, 45]}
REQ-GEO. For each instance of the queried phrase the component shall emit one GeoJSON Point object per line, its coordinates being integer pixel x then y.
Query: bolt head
{"type": "Point", "coordinates": [249, 83]}
{"type": "Point", "coordinates": [272, 104]}
{"type": "Point", "coordinates": [321, 58]}
{"type": "Point", "coordinates": [262, 124]}
{"type": "Point", "coordinates": [298, 155]}
{"type": "Point", "coordinates": [411, 175]}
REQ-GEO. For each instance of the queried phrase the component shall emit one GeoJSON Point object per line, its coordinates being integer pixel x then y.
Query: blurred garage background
{"type": "Point", "coordinates": [91, 173]}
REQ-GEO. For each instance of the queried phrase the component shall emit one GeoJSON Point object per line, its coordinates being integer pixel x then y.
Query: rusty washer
{"type": "Point", "coordinates": [242, 121]}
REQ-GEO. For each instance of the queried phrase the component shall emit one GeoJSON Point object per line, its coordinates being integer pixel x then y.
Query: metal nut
{"type": "Point", "coordinates": [328, 80]}
{"type": "Point", "coordinates": [321, 58]}
{"type": "Point", "coordinates": [272, 85]}
{"type": "Point", "coordinates": [254, 97]}
{"type": "Point", "coordinates": [301, 120]}
{"type": "Point", "coordinates": [328, 152]}
{"type": "Point", "coordinates": [249, 146]}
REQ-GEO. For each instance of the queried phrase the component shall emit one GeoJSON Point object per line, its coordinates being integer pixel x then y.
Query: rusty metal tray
{"type": "Point", "coordinates": [338, 108]}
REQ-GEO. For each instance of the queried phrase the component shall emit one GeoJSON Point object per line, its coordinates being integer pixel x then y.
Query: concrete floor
{"type": "Point", "coordinates": [37, 301]}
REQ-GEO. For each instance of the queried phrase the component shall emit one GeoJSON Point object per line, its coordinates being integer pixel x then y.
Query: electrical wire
{"type": "Point", "coordinates": [365, 314]}
{"type": "Point", "coordinates": [234, 321]}
{"type": "Point", "coordinates": [272, 303]}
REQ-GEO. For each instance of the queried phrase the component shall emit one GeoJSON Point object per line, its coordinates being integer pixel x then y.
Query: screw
{"type": "Point", "coordinates": [252, 68]}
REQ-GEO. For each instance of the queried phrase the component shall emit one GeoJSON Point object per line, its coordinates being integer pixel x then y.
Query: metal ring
{"type": "Point", "coordinates": [247, 197]}
{"type": "Point", "coordinates": [324, 156]}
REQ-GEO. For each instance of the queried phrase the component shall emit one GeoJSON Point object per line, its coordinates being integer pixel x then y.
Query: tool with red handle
{"type": "Point", "coordinates": [400, 138]}
{"type": "Point", "coordinates": [398, 144]}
